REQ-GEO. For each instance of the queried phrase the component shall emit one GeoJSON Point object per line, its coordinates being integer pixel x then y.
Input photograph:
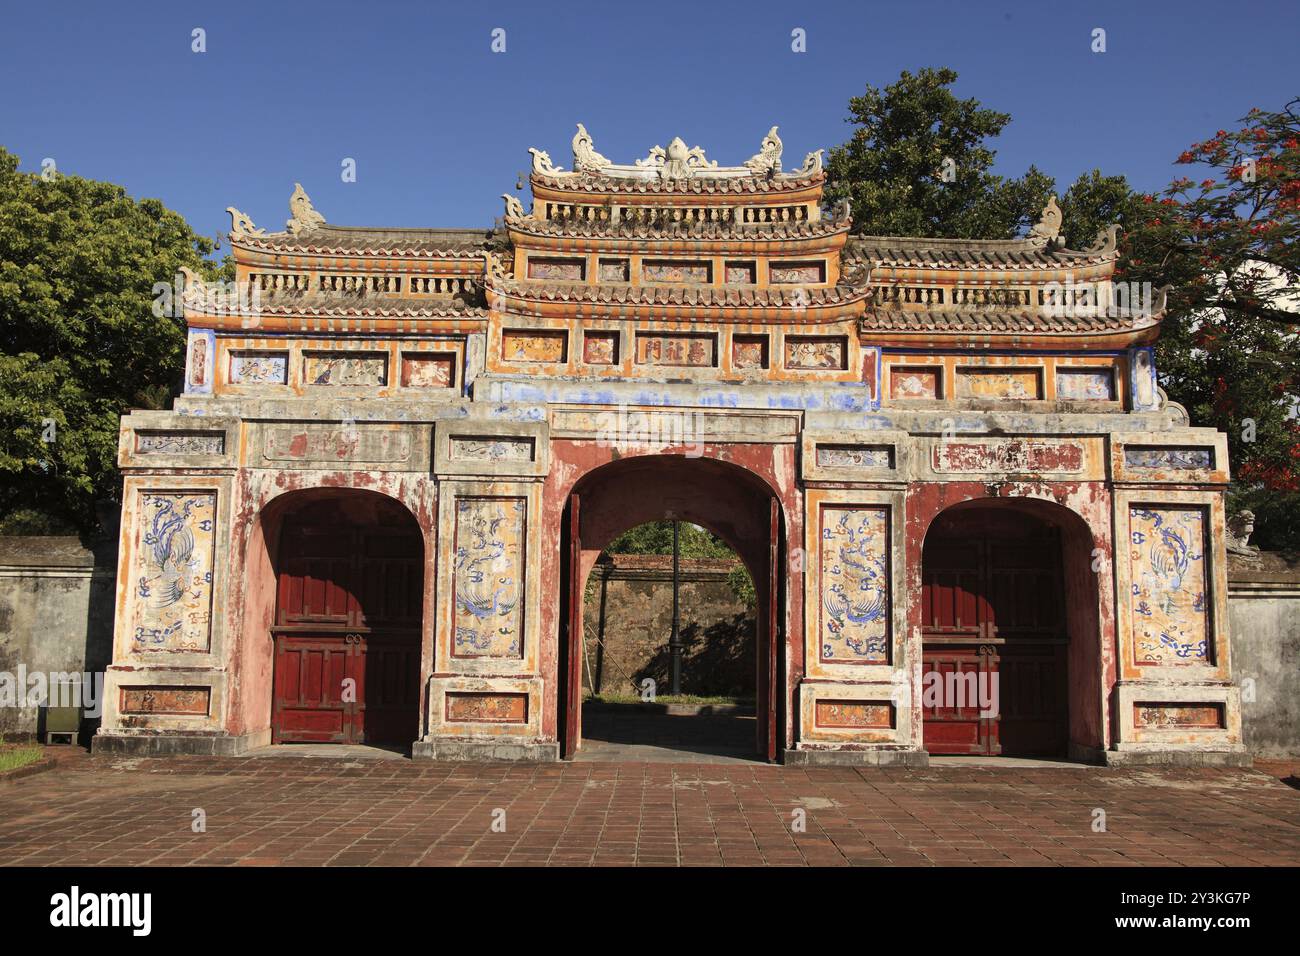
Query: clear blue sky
{"type": "Point", "coordinates": [439, 125]}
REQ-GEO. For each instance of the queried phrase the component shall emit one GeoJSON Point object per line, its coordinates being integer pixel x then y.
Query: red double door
{"type": "Point", "coordinates": [994, 637]}
{"type": "Point", "coordinates": [347, 635]}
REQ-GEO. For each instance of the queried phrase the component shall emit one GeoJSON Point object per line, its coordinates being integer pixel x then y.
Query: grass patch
{"type": "Point", "coordinates": [11, 758]}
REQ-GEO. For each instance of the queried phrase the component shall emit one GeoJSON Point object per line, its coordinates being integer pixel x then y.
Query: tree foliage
{"type": "Point", "coordinates": [656, 537]}
{"type": "Point", "coordinates": [919, 164]}
{"type": "Point", "coordinates": [1224, 241]}
{"type": "Point", "coordinates": [79, 340]}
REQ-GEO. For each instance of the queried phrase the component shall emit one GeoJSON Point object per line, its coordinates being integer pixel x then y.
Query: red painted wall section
{"type": "Point", "coordinates": [726, 489]}
{"type": "Point", "coordinates": [1082, 510]}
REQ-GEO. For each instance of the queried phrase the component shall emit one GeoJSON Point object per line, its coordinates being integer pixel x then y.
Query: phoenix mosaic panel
{"type": "Point", "coordinates": [489, 577]}
{"type": "Point", "coordinates": [172, 573]}
{"type": "Point", "coordinates": [854, 587]}
{"type": "Point", "coordinates": [1168, 575]}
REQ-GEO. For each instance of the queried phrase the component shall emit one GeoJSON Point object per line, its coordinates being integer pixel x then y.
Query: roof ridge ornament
{"type": "Point", "coordinates": [677, 161]}
{"type": "Point", "coordinates": [514, 208]}
{"type": "Point", "coordinates": [242, 225]}
{"type": "Point", "coordinates": [1107, 241]}
{"type": "Point", "coordinates": [304, 216]}
{"type": "Point", "coordinates": [812, 164]}
{"type": "Point", "coordinates": [1048, 227]}
{"type": "Point", "coordinates": [542, 165]}
{"type": "Point", "coordinates": [585, 157]}
{"type": "Point", "coordinates": [767, 161]}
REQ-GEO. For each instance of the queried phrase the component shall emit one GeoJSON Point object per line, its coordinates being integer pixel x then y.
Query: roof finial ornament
{"type": "Point", "coordinates": [304, 214]}
{"type": "Point", "coordinates": [842, 210]}
{"type": "Point", "coordinates": [767, 161]}
{"type": "Point", "coordinates": [812, 164]}
{"type": "Point", "coordinates": [1048, 226]}
{"type": "Point", "coordinates": [241, 225]}
{"type": "Point", "coordinates": [514, 208]}
{"type": "Point", "coordinates": [542, 163]}
{"type": "Point", "coordinates": [1107, 241]}
{"type": "Point", "coordinates": [677, 161]}
{"type": "Point", "coordinates": [585, 157]}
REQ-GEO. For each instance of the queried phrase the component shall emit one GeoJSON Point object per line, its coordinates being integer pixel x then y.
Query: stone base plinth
{"type": "Point", "coordinates": [162, 745]}
{"type": "Point", "coordinates": [485, 750]}
{"type": "Point", "coordinates": [856, 758]}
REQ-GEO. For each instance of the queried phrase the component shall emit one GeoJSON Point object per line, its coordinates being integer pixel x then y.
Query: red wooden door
{"type": "Point", "coordinates": [993, 635]}
{"type": "Point", "coordinates": [347, 634]}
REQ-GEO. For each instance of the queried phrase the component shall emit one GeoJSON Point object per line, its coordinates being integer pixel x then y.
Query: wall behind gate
{"type": "Point", "coordinates": [628, 620]}
{"type": "Point", "coordinates": [1264, 617]}
{"type": "Point", "coordinates": [56, 614]}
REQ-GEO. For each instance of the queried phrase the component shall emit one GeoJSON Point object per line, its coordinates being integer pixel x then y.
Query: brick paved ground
{"type": "Point", "coordinates": [342, 812]}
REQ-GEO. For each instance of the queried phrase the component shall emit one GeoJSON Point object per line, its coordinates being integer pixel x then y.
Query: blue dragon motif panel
{"type": "Point", "coordinates": [489, 577]}
{"type": "Point", "coordinates": [854, 586]}
{"type": "Point", "coordinates": [1168, 579]}
{"type": "Point", "coordinates": [172, 573]}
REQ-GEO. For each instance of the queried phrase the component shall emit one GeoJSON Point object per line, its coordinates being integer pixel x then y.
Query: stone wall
{"type": "Point", "coordinates": [1264, 612]}
{"type": "Point", "coordinates": [56, 615]}
{"type": "Point", "coordinates": [628, 620]}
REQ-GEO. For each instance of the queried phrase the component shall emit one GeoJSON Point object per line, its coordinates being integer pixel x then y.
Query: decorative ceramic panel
{"type": "Point", "coordinates": [1024, 456]}
{"type": "Point", "coordinates": [692, 350]}
{"type": "Point", "coordinates": [436, 370]}
{"type": "Point", "coordinates": [259, 368]}
{"type": "Point", "coordinates": [1168, 575]}
{"type": "Point", "coordinates": [171, 575]}
{"type": "Point", "coordinates": [519, 346]}
{"type": "Point", "coordinates": [600, 348]}
{"type": "Point", "coordinates": [174, 701]}
{"type": "Point", "coordinates": [180, 443]}
{"type": "Point", "coordinates": [344, 368]}
{"type": "Point", "coordinates": [1169, 457]}
{"type": "Point", "coordinates": [488, 583]}
{"type": "Point", "coordinates": [200, 350]}
{"type": "Point", "coordinates": [749, 351]}
{"type": "Point", "coordinates": [680, 272]}
{"type": "Point", "coordinates": [740, 273]}
{"type": "Point", "coordinates": [855, 456]}
{"type": "Point", "coordinates": [335, 443]}
{"type": "Point", "coordinates": [1085, 384]}
{"type": "Point", "coordinates": [487, 708]}
{"type": "Point", "coordinates": [854, 585]}
{"type": "Point", "coordinates": [815, 352]}
{"type": "Point", "coordinates": [796, 273]}
{"type": "Point", "coordinates": [613, 270]}
{"type": "Point", "coordinates": [853, 713]}
{"type": "Point", "coordinates": [914, 382]}
{"type": "Point", "coordinates": [999, 383]}
{"type": "Point", "coordinates": [1177, 716]}
{"type": "Point", "coordinates": [558, 270]}
{"type": "Point", "coordinates": [467, 448]}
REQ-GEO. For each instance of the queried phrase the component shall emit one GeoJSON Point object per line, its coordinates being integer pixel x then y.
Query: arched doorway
{"type": "Point", "coordinates": [346, 629]}
{"type": "Point", "coordinates": [1009, 629]}
{"type": "Point", "coordinates": [727, 500]}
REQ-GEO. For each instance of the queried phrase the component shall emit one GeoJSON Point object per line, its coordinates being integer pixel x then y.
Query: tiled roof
{"type": "Point", "coordinates": [678, 294]}
{"type": "Point", "coordinates": [738, 186]}
{"type": "Point", "coordinates": [999, 322]}
{"type": "Point", "coordinates": [967, 253]}
{"type": "Point", "coordinates": [631, 229]}
{"type": "Point", "coordinates": [354, 240]}
{"type": "Point", "coordinates": [326, 304]}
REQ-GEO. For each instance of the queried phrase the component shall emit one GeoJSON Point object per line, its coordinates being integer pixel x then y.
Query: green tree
{"type": "Point", "coordinates": [79, 340]}
{"type": "Point", "coordinates": [919, 164]}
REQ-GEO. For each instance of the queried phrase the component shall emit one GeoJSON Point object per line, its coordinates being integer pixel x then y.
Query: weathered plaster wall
{"type": "Point", "coordinates": [56, 614]}
{"type": "Point", "coordinates": [1264, 616]}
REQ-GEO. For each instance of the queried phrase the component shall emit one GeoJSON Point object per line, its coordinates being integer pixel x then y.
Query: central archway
{"type": "Point", "coordinates": [728, 500]}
